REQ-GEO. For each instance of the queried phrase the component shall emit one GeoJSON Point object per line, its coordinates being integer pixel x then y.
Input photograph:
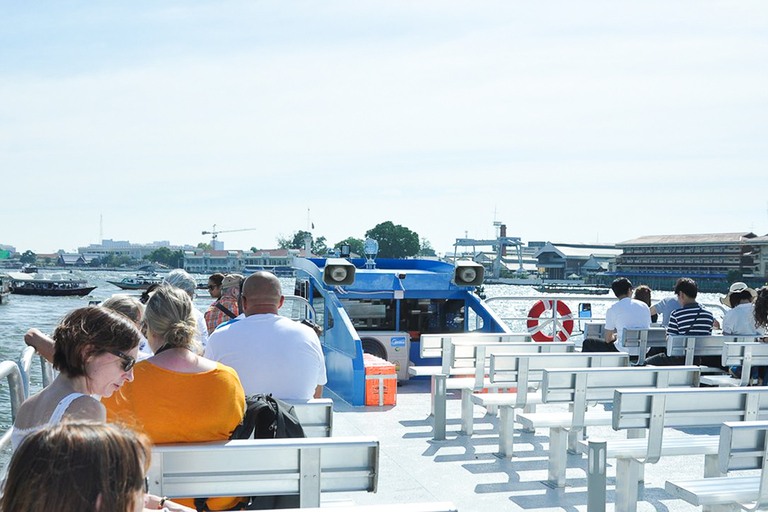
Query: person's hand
{"type": "Point", "coordinates": [34, 337]}
{"type": "Point", "coordinates": [152, 502]}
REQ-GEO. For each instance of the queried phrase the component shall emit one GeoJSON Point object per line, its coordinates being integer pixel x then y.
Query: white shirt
{"type": "Point", "coordinates": [627, 314]}
{"type": "Point", "coordinates": [271, 354]}
{"type": "Point", "coordinates": [741, 321]}
{"type": "Point", "coordinates": [201, 326]}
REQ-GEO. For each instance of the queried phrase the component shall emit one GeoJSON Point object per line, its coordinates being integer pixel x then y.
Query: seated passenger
{"type": "Point", "coordinates": [628, 313]}
{"type": "Point", "coordinates": [643, 294]}
{"type": "Point", "coordinates": [179, 396]}
{"type": "Point", "coordinates": [226, 306]}
{"type": "Point", "coordinates": [94, 351]}
{"type": "Point", "coordinates": [88, 466]}
{"type": "Point", "coordinates": [271, 353]}
{"type": "Point", "coordinates": [690, 320]}
{"type": "Point", "coordinates": [181, 279]}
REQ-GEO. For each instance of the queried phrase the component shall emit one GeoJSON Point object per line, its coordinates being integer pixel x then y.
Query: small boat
{"type": "Point", "coordinates": [5, 288]}
{"type": "Point", "coordinates": [50, 286]}
{"type": "Point", "coordinates": [572, 288]}
{"type": "Point", "coordinates": [138, 282]}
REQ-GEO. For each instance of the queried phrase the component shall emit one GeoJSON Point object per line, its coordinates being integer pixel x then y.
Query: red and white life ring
{"type": "Point", "coordinates": [562, 321]}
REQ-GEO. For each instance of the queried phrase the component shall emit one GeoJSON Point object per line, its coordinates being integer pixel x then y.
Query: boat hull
{"type": "Point", "coordinates": [79, 292]}
{"type": "Point", "coordinates": [124, 286]}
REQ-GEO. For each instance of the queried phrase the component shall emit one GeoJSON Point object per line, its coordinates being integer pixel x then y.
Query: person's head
{"type": "Point", "coordinates": [761, 307]}
{"type": "Point", "coordinates": [181, 279]}
{"type": "Point", "coordinates": [146, 294]}
{"type": "Point", "coordinates": [738, 293]}
{"type": "Point", "coordinates": [78, 466]}
{"type": "Point", "coordinates": [622, 287]}
{"type": "Point", "coordinates": [643, 294]}
{"type": "Point", "coordinates": [169, 319]}
{"type": "Point", "coordinates": [126, 305]}
{"type": "Point", "coordinates": [261, 293]}
{"type": "Point", "coordinates": [686, 290]}
{"type": "Point", "coordinates": [214, 285]}
{"type": "Point", "coordinates": [99, 344]}
{"type": "Point", "coordinates": [230, 286]}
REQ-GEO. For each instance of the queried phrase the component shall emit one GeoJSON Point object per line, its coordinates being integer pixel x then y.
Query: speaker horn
{"type": "Point", "coordinates": [468, 273]}
{"type": "Point", "coordinates": [338, 272]}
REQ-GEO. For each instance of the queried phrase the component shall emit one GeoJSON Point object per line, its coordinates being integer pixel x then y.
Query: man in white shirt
{"type": "Point", "coordinates": [628, 313]}
{"type": "Point", "coordinates": [270, 353]}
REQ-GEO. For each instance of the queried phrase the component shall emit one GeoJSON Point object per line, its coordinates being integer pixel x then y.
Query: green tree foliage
{"type": "Point", "coordinates": [319, 245]}
{"type": "Point", "coordinates": [355, 245]}
{"type": "Point", "coordinates": [166, 256]}
{"type": "Point", "coordinates": [426, 248]}
{"type": "Point", "coordinates": [204, 246]}
{"type": "Point", "coordinates": [254, 249]}
{"type": "Point", "coordinates": [395, 241]}
{"type": "Point", "coordinates": [28, 257]}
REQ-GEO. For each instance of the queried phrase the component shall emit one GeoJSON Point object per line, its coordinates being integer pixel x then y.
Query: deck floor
{"type": "Point", "coordinates": [466, 470]}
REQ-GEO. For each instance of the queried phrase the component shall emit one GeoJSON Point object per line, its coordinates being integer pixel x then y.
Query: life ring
{"type": "Point", "coordinates": [563, 321]}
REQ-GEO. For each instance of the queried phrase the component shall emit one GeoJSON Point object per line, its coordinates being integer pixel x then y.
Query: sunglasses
{"type": "Point", "coordinates": [128, 361]}
{"type": "Point", "coordinates": [212, 286]}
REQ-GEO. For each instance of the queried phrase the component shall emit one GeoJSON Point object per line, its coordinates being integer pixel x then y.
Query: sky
{"type": "Point", "coordinates": [588, 121]}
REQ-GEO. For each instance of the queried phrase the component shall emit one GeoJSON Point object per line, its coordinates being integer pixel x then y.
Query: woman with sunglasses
{"type": "Point", "coordinates": [78, 466]}
{"type": "Point", "coordinates": [94, 351]}
{"type": "Point", "coordinates": [178, 395]}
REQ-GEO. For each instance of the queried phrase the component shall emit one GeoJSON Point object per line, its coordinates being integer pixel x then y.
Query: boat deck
{"type": "Point", "coordinates": [466, 471]}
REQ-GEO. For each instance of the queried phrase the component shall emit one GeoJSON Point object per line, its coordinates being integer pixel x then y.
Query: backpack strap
{"type": "Point", "coordinates": [225, 310]}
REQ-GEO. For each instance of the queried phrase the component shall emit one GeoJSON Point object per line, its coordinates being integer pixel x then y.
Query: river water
{"type": "Point", "coordinates": [24, 312]}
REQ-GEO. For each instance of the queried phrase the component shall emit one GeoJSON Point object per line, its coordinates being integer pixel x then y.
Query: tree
{"type": "Point", "coordinates": [355, 245]}
{"type": "Point", "coordinates": [28, 257]}
{"type": "Point", "coordinates": [296, 242]}
{"type": "Point", "coordinates": [319, 247]}
{"type": "Point", "coordinates": [254, 249]}
{"type": "Point", "coordinates": [204, 246]}
{"type": "Point", "coordinates": [426, 248]}
{"type": "Point", "coordinates": [395, 241]}
{"type": "Point", "coordinates": [166, 256]}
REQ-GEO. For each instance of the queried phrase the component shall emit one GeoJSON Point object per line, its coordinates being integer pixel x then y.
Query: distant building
{"type": "Point", "coordinates": [279, 261]}
{"type": "Point", "coordinates": [565, 260]}
{"type": "Point", "coordinates": [659, 260]}
{"type": "Point", "coordinates": [126, 248]}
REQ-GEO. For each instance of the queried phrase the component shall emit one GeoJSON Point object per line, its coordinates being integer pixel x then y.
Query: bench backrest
{"type": "Point", "coordinates": [745, 355]}
{"type": "Point", "coordinates": [594, 330]}
{"type": "Point", "coordinates": [744, 445]}
{"type": "Point", "coordinates": [432, 345]}
{"type": "Point", "coordinates": [583, 385]}
{"type": "Point", "coordinates": [460, 355]}
{"type": "Point", "coordinates": [255, 467]}
{"type": "Point", "coordinates": [644, 339]}
{"type": "Point", "coordinates": [315, 416]}
{"type": "Point", "coordinates": [525, 370]}
{"type": "Point", "coordinates": [654, 409]}
{"type": "Point", "coordinates": [690, 346]}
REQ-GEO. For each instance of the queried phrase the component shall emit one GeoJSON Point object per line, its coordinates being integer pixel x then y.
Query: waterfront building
{"type": "Point", "coordinates": [564, 260]}
{"type": "Point", "coordinates": [659, 260]}
{"type": "Point", "coordinates": [126, 248]}
{"type": "Point", "coordinates": [209, 261]}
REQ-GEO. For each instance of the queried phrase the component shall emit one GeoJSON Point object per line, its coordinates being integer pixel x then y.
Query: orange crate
{"type": "Point", "coordinates": [379, 375]}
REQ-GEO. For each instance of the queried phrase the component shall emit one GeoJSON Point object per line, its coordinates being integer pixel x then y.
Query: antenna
{"type": "Point", "coordinates": [101, 228]}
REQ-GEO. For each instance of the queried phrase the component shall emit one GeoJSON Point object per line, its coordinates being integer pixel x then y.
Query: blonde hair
{"type": "Point", "coordinates": [126, 305]}
{"type": "Point", "coordinates": [169, 315]}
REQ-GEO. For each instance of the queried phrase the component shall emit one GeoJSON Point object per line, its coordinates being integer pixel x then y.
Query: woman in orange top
{"type": "Point", "coordinates": [177, 395]}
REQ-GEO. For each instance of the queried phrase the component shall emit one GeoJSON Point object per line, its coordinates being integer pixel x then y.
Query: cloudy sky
{"type": "Point", "coordinates": [568, 121]}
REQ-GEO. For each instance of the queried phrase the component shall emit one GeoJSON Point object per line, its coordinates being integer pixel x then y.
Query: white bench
{"type": "Point", "coordinates": [582, 386]}
{"type": "Point", "coordinates": [315, 416]}
{"type": "Point", "coordinates": [443, 506]}
{"type": "Point", "coordinates": [691, 347]}
{"type": "Point", "coordinates": [254, 467]}
{"type": "Point", "coordinates": [654, 409]}
{"type": "Point", "coordinates": [743, 446]}
{"type": "Point", "coordinates": [640, 340]}
{"type": "Point", "coordinates": [525, 371]}
{"type": "Point", "coordinates": [466, 361]}
{"type": "Point", "coordinates": [746, 355]}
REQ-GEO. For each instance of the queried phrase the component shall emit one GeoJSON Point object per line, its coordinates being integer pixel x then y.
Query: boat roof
{"type": "Point", "coordinates": [41, 278]}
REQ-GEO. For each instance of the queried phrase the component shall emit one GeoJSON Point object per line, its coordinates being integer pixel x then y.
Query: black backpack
{"type": "Point", "coordinates": [265, 417]}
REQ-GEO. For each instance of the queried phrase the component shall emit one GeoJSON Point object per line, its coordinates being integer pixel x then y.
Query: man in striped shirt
{"type": "Point", "coordinates": [690, 320]}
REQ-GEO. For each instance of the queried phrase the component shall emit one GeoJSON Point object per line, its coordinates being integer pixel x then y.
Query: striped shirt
{"type": "Point", "coordinates": [690, 320]}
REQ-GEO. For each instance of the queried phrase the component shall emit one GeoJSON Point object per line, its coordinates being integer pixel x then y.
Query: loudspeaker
{"type": "Point", "coordinates": [338, 272]}
{"type": "Point", "coordinates": [468, 273]}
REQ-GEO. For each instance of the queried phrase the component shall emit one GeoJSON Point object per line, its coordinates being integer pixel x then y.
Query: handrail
{"type": "Point", "coordinates": [25, 366]}
{"type": "Point", "coordinates": [309, 309]}
{"type": "Point", "coordinates": [10, 370]}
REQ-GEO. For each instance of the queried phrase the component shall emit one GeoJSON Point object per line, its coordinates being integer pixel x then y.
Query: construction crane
{"type": "Point", "coordinates": [215, 233]}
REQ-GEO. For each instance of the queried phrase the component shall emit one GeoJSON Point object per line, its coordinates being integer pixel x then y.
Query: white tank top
{"type": "Point", "coordinates": [18, 434]}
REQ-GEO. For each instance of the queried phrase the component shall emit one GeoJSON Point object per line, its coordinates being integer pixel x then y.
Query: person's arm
{"type": "Point", "coordinates": [610, 336]}
{"type": "Point", "coordinates": [152, 502]}
{"type": "Point", "coordinates": [86, 408]}
{"type": "Point", "coordinates": [44, 344]}
{"type": "Point", "coordinates": [319, 392]}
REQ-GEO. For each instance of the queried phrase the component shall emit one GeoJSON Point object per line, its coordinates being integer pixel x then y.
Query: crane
{"type": "Point", "coordinates": [215, 233]}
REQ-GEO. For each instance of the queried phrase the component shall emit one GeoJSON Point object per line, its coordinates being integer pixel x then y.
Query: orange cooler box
{"type": "Point", "coordinates": [380, 381]}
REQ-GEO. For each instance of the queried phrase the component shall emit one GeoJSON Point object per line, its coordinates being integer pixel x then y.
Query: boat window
{"type": "Point", "coordinates": [371, 314]}
{"type": "Point", "coordinates": [427, 316]}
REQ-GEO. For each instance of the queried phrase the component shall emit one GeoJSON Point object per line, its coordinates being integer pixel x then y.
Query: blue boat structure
{"type": "Point", "coordinates": [383, 306]}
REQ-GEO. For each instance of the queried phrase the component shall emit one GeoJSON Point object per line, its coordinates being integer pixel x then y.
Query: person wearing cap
{"type": "Point", "coordinates": [740, 320]}
{"type": "Point", "coordinates": [226, 306]}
